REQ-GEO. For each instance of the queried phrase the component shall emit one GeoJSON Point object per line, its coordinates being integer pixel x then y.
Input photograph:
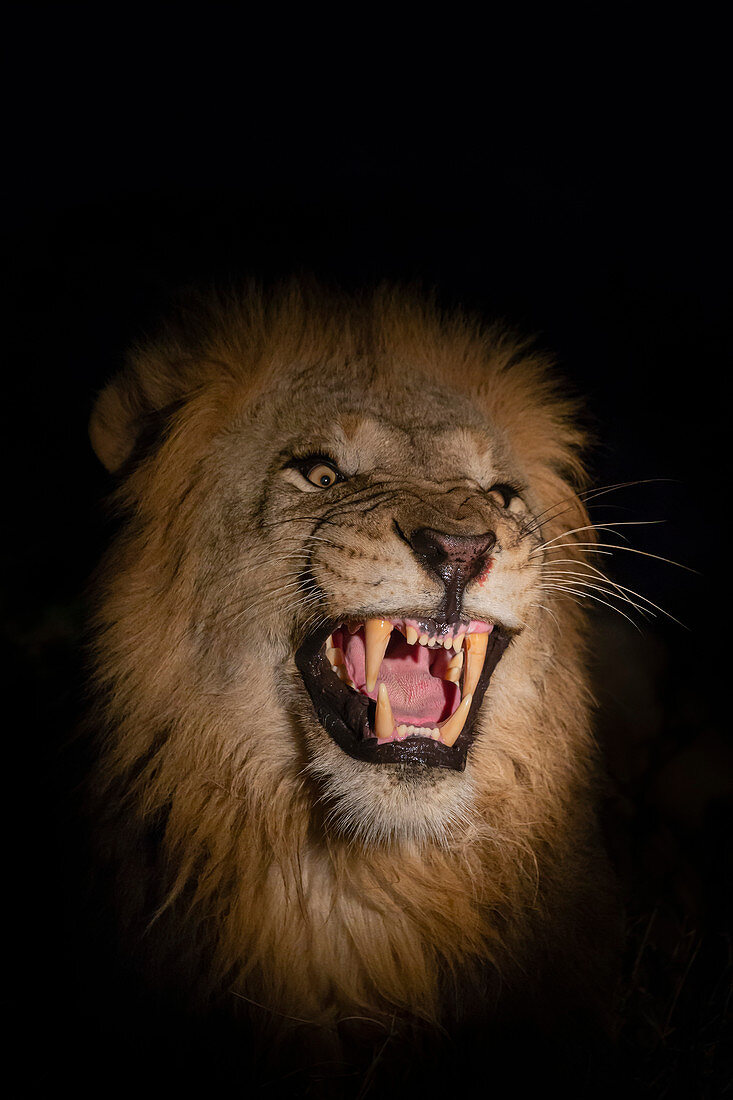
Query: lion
{"type": "Point", "coordinates": [346, 768]}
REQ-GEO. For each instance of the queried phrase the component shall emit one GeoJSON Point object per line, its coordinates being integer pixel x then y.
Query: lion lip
{"type": "Point", "coordinates": [349, 713]}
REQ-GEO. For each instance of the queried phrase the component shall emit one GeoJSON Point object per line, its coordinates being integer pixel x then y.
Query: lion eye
{"type": "Point", "coordinates": [321, 475]}
{"type": "Point", "coordinates": [503, 494]}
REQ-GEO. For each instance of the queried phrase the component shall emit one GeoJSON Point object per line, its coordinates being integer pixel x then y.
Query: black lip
{"type": "Point", "coordinates": [346, 715]}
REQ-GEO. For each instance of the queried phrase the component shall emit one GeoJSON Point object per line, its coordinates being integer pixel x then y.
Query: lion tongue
{"type": "Point", "coordinates": [417, 696]}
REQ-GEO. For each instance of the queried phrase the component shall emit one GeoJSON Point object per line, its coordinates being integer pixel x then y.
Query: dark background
{"type": "Point", "coordinates": [589, 205]}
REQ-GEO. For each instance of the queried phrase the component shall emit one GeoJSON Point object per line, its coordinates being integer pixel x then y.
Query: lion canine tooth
{"type": "Point", "coordinates": [475, 652]}
{"type": "Point", "coordinates": [411, 635]}
{"type": "Point", "coordinates": [329, 642]}
{"type": "Point", "coordinates": [335, 656]}
{"type": "Point", "coordinates": [450, 731]}
{"type": "Point", "coordinates": [377, 633]}
{"type": "Point", "coordinates": [453, 668]}
{"type": "Point", "coordinates": [383, 720]}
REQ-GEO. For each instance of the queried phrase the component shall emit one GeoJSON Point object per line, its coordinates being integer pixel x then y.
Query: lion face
{"type": "Point", "coordinates": [329, 589]}
{"type": "Point", "coordinates": [342, 697]}
{"type": "Point", "coordinates": [390, 548]}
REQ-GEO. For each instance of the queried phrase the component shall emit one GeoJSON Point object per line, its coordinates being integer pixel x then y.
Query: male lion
{"type": "Point", "coordinates": [346, 770]}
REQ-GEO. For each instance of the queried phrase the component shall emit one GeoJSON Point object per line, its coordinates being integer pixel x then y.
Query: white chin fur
{"type": "Point", "coordinates": [376, 804]}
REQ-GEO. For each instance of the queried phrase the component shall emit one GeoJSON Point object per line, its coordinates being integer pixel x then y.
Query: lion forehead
{"type": "Point", "coordinates": [440, 433]}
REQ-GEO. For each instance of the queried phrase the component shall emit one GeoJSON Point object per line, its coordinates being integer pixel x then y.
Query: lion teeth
{"type": "Point", "coordinates": [411, 635]}
{"type": "Point", "coordinates": [423, 639]}
{"type": "Point", "coordinates": [335, 656]}
{"type": "Point", "coordinates": [377, 633]}
{"type": "Point", "coordinates": [450, 731]}
{"type": "Point", "coordinates": [475, 653]}
{"type": "Point", "coordinates": [458, 642]}
{"type": "Point", "coordinates": [448, 642]}
{"type": "Point", "coordinates": [383, 720]}
{"type": "Point", "coordinates": [453, 668]}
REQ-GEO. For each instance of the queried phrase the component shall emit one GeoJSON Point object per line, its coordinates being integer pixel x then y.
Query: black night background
{"type": "Point", "coordinates": [595, 216]}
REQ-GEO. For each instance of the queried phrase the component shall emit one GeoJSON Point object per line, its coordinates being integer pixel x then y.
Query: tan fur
{"type": "Point", "coordinates": [282, 869]}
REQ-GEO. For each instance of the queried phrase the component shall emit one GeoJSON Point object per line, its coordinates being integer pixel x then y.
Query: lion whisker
{"type": "Point", "coordinates": [587, 596]}
{"type": "Point", "coordinates": [600, 527]}
{"type": "Point", "coordinates": [593, 548]}
{"type": "Point", "coordinates": [599, 588]}
{"type": "Point", "coordinates": [621, 588]}
{"type": "Point", "coordinates": [585, 496]}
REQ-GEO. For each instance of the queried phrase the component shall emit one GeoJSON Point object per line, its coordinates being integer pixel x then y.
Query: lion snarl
{"type": "Point", "coordinates": [346, 763]}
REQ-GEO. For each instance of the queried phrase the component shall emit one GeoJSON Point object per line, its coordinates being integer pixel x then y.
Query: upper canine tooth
{"type": "Point", "coordinates": [451, 730]}
{"type": "Point", "coordinates": [377, 633]}
{"type": "Point", "coordinates": [383, 720]}
{"type": "Point", "coordinates": [475, 653]}
{"type": "Point", "coordinates": [411, 635]}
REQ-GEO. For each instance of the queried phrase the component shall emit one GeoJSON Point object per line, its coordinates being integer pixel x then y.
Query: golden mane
{"type": "Point", "coordinates": [240, 871]}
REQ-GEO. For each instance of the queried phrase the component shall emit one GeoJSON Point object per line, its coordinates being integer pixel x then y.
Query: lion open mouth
{"type": "Point", "coordinates": [399, 690]}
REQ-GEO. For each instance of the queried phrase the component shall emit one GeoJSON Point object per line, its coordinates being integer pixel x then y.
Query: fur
{"type": "Point", "coordinates": [255, 861]}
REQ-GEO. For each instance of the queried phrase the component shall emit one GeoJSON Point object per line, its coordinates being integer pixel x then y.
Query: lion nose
{"type": "Point", "coordinates": [452, 557]}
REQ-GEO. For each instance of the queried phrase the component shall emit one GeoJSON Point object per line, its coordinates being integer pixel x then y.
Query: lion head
{"type": "Point", "coordinates": [333, 680]}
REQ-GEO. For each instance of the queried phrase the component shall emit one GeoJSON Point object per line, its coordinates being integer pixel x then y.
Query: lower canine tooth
{"type": "Point", "coordinates": [453, 668]}
{"type": "Point", "coordinates": [377, 633]}
{"type": "Point", "coordinates": [335, 656]}
{"type": "Point", "coordinates": [475, 652]}
{"type": "Point", "coordinates": [450, 731]}
{"type": "Point", "coordinates": [383, 720]}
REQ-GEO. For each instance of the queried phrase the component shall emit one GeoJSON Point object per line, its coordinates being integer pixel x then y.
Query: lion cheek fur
{"type": "Point", "coordinates": [285, 870]}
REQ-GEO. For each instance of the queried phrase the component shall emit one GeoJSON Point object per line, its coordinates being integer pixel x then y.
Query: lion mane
{"type": "Point", "coordinates": [278, 460]}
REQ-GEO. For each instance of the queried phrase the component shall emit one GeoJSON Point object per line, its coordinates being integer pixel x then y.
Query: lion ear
{"type": "Point", "coordinates": [131, 411]}
{"type": "Point", "coordinates": [116, 422]}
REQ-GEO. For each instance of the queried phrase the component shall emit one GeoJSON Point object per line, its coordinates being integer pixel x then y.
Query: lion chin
{"type": "Point", "coordinates": [343, 710]}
